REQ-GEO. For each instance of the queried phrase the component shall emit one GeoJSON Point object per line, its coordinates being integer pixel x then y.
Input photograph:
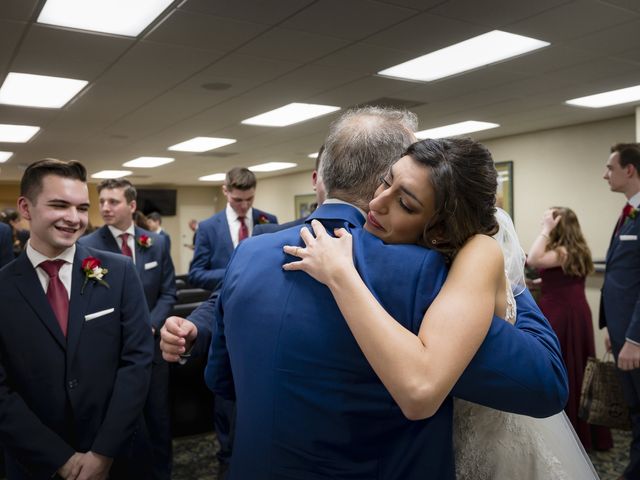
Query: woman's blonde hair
{"type": "Point", "coordinates": [567, 233]}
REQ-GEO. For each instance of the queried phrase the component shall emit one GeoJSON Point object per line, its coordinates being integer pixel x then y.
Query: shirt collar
{"type": "Point", "coordinates": [232, 216]}
{"type": "Point", "coordinates": [116, 232]}
{"type": "Point", "coordinates": [337, 200]}
{"type": "Point", "coordinates": [635, 200]}
{"type": "Point", "coordinates": [36, 258]}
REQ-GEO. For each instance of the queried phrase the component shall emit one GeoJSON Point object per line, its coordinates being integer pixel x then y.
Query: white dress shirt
{"type": "Point", "coordinates": [64, 274]}
{"type": "Point", "coordinates": [131, 241]}
{"type": "Point", "coordinates": [234, 223]}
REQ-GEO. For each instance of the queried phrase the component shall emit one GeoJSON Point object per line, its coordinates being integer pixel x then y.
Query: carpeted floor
{"type": "Point", "coordinates": [194, 458]}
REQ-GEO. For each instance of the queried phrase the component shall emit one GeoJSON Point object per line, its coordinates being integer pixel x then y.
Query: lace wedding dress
{"type": "Point", "coordinates": [494, 445]}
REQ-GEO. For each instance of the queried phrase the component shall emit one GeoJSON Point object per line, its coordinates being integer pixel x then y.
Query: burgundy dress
{"type": "Point", "coordinates": [564, 303]}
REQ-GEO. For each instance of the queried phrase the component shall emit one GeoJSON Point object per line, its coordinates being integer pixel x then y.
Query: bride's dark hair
{"type": "Point", "coordinates": [465, 182]}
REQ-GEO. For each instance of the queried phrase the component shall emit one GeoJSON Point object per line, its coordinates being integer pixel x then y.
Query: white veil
{"type": "Point", "coordinates": [514, 257]}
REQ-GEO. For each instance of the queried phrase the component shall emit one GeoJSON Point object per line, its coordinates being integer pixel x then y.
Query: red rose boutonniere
{"type": "Point", "coordinates": [262, 219]}
{"type": "Point", "coordinates": [633, 213]}
{"type": "Point", "coordinates": [93, 270]}
{"type": "Point", "coordinates": [145, 241]}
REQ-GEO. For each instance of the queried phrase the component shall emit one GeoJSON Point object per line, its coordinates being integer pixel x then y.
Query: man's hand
{"type": "Point", "coordinates": [71, 469]}
{"type": "Point", "coordinates": [176, 337]}
{"type": "Point", "coordinates": [607, 341]}
{"type": "Point", "coordinates": [629, 357]}
{"type": "Point", "coordinates": [94, 466]}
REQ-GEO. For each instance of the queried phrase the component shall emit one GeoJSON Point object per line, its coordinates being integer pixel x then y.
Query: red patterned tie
{"type": "Point", "coordinates": [243, 232]}
{"type": "Point", "coordinates": [625, 213]}
{"type": "Point", "coordinates": [57, 293]}
{"type": "Point", "coordinates": [125, 245]}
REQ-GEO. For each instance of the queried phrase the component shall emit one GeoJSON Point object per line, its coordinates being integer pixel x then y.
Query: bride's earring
{"type": "Point", "coordinates": [434, 241]}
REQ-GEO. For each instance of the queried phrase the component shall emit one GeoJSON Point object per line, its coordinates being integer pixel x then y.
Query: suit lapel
{"type": "Point", "coordinates": [109, 242]}
{"type": "Point", "coordinates": [30, 288]}
{"type": "Point", "coordinates": [79, 302]}
{"type": "Point", "coordinates": [225, 231]}
{"type": "Point", "coordinates": [140, 252]}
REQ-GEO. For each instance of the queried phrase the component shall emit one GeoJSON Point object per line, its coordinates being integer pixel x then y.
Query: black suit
{"type": "Point", "coordinates": [6, 244]}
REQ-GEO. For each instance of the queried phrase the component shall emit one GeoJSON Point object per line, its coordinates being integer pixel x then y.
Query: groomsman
{"type": "Point", "coordinates": [154, 220]}
{"type": "Point", "coordinates": [6, 244]}
{"type": "Point", "coordinates": [620, 302]}
{"type": "Point", "coordinates": [150, 253]}
{"type": "Point", "coordinates": [75, 348]}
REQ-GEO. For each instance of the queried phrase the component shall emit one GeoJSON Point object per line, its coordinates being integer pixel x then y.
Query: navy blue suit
{"type": "Point", "coordinates": [155, 270]}
{"type": "Point", "coordinates": [6, 244]}
{"type": "Point", "coordinates": [620, 313]}
{"type": "Point", "coordinates": [309, 406]}
{"type": "Point", "coordinates": [85, 392]}
{"type": "Point", "coordinates": [214, 247]}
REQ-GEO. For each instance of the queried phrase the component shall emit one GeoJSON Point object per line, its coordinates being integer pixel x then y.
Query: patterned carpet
{"type": "Point", "coordinates": [194, 459]}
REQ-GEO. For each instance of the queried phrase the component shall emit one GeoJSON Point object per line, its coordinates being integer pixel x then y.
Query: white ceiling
{"type": "Point", "coordinates": [147, 93]}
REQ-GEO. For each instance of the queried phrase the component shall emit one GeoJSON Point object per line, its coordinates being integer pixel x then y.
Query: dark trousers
{"type": "Point", "coordinates": [631, 389]}
{"type": "Point", "coordinates": [224, 420]}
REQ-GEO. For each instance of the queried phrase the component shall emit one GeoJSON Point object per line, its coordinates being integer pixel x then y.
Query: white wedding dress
{"type": "Point", "coordinates": [494, 445]}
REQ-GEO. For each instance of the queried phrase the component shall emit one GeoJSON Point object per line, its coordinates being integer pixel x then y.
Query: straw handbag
{"type": "Point", "coordinates": [601, 399]}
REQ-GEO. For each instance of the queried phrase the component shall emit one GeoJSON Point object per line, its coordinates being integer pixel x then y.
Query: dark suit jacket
{"type": "Point", "coordinates": [154, 267]}
{"type": "Point", "coordinates": [309, 406]}
{"type": "Point", "coordinates": [274, 227]}
{"type": "Point", "coordinates": [6, 244]}
{"type": "Point", "coordinates": [620, 301]}
{"type": "Point", "coordinates": [84, 393]}
{"type": "Point", "coordinates": [167, 238]}
{"type": "Point", "coordinates": [214, 248]}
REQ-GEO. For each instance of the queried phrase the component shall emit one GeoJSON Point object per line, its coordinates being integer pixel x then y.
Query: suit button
{"type": "Point", "coordinates": [73, 384]}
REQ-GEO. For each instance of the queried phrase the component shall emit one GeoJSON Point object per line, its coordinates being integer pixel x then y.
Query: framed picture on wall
{"type": "Point", "coordinates": [504, 198]}
{"type": "Point", "coordinates": [304, 205]}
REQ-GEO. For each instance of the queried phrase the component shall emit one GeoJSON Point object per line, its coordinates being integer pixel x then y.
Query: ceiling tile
{"type": "Point", "coordinates": [10, 33]}
{"type": "Point", "coordinates": [258, 11]}
{"type": "Point", "coordinates": [17, 9]}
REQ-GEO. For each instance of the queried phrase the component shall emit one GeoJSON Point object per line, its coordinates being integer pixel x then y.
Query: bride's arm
{"type": "Point", "coordinates": [419, 371]}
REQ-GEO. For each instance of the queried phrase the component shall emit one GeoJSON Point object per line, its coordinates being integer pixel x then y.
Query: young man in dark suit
{"type": "Point", "coordinates": [75, 341]}
{"type": "Point", "coordinates": [150, 253]}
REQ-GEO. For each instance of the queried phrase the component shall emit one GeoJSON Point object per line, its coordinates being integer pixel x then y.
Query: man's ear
{"type": "Point", "coordinates": [24, 206]}
{"type": "Point", "coordinates": [314, 179]}
{"type": "Point", "coordinates": [133, 205]}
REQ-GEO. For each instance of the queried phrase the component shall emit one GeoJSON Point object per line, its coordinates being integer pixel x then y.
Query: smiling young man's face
{"type": "Point", "coordinates": [58, 215]}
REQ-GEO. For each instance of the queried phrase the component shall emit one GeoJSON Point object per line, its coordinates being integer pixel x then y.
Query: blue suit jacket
{"type": "Point", "coordinates": [6, 244]}
{"type": "Point", "coordinates": [309, 406]}
{"type": "Point", "coordinates": [214, 248]}
{"type": "Point", "coordinates": [620, 301]}
{"type": "Point", "coordinates": [154, 267]}
{"type": "Point", "coordinates": [85, 392]}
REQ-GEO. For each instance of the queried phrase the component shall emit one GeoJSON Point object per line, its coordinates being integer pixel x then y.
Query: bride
{"type": "Point", "coordinates": [441, 195]}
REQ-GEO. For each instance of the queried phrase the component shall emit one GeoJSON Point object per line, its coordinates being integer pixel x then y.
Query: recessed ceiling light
{"type": "Point", "coordinates": [29, 90]}
{"type": "Point", "coordinates": [147, 162]}
{"type": "Point", "coordinates": [17, 133]}
{"type": "Point", "coordinates": [455, 129]}
{"type": "Point", "coordinates": [272, 166]}
{"type": "Point", "coordinates": [4, 156]}
{"type": "Point", "coordinates": [476, 52]}
{"type": "Point", "coordinates": [120, 17]}
{"type": "Point", "coordinates": [202, 144]}
{"type": "Point", "coordinates": [290, 114]}
{"type": "Point", "coordinates": [313, 155]}
{"type": "Point", "coordinates": [214, 177]}
{"type": "Point", "coordinates": [111, 174]}
{"type": "Point", "coordinates": [607, 99]}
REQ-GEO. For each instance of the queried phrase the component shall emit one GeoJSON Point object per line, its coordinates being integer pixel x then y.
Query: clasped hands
{"type": "Point", "coordinates": [629, 356]}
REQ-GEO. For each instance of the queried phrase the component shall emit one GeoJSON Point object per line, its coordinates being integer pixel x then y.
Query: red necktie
{"type": "Point", "coordinates": [626, 210]}
{"type": "Point", "coordinates": [243, 232]}
{"type": "Point", "coordinates": [57, 293]}
{"type": "Point", "coordinates": [125, 245]}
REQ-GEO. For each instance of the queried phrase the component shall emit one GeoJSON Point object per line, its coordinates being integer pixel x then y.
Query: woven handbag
{"type": "Point", "coordinates": [601, 399]}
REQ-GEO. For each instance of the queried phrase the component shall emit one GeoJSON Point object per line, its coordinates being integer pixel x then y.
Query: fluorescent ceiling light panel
{"type": "Point", "coordinates": [147, 162]}
{"type": "Point", "coordinates": [290, 114]}
{"type": "Point", "coordinates": [4, 156]}
{"type": "Point", "coordinates": [111, 174]}
{"type": "Point", "coordinates": [120, 17]}
{"type": "Point", "coordinates": [455, 129]}
{"type": "Point", "coordinates": [202, 144]}
{"type": "Point", "coordinates": [476, 52]}
{"type": "Point", "coordinates": [272, 166]}
{"type": "Point", "coordinates": [17, 133]}
{"type": "Point", "coordinates": [607, 99]}
{"type": "Point", "coordinates": [27, 90]}
{"type": "Point", "coordinates": [313, 155]}
{"type": "Point", "coordinates": [214, 177]}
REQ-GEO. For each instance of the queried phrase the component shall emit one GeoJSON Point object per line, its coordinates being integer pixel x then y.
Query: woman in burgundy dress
{"type": "Point", "coordinates": [561, 254]}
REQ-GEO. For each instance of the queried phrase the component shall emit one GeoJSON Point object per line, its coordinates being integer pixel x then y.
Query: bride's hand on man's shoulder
{"type": "Point", "coordinates": [323, 257]}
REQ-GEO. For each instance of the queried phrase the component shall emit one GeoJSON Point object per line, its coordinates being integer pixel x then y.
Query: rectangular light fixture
{"type": "Point", "coordinates": [202, 144]}
{"type": "Point", "coordinates": [608, 99]}
{"type": "Point", "coordinates": [111, 174]}
{"type": "Point", "coordinates": [119, 17]}
{"type": "Point", "coordinates": [17, 133]}
{"type": "Point", "coordinates": [455, 129]}
{"type": "Point", "coordinates": [272, 166]}
{"type": "Point", "coordinates": [313, 155]}
{"type": "Point", "coordinates": [27, 90]}
{"type": "Point", "coordinates": [4, 156]}
{"type": "Point", "coordinates": [148, 162]}
{"type": "Point", "coordinates": [290, 114]}
{"type": "Point", "coordinates": [214, 177]}
{"type": "Point", "coordinates": [485, 49]}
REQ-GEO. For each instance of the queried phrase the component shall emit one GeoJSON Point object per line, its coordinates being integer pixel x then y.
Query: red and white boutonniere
{"type": "Point", "coordinates": [262, 219]}
{"type": "Point", "coordinates": [633, 213]}
{"type": "Point", "coordinates": [145, 241]}
{"type": "Point", "coordinates": [93, 270]}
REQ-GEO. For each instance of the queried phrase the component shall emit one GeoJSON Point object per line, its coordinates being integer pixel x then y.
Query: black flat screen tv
{"type": "Point", "coordinates": [161, 200]}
